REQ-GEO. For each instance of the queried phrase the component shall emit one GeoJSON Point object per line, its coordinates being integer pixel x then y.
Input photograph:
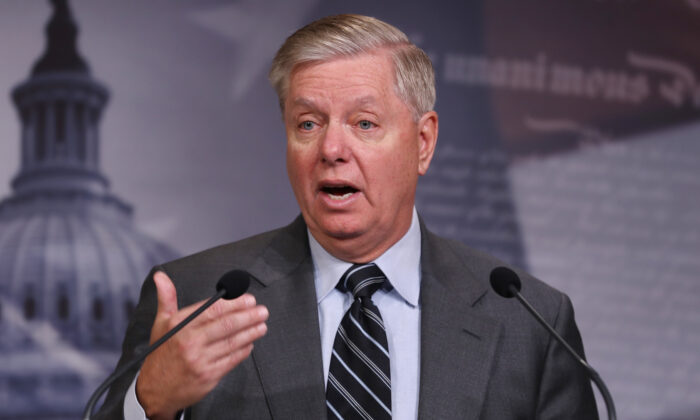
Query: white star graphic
{"type": "Point", "coordinates": [258, 28]}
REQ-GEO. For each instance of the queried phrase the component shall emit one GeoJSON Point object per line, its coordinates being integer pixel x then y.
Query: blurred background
{"type": "Point", "coordinates": [133, 132]}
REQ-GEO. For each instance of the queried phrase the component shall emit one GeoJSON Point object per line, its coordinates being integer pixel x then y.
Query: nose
{"type": "Point", "coordinates": [334, 146]}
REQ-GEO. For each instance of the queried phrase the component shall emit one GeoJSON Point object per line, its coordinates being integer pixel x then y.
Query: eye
{"type": "Point", "coordinates": [365, 125]}
{"type": "Point", "coordinates": [307, 125]}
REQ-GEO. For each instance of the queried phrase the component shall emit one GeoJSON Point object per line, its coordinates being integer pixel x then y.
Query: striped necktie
{"type": "Point", "coordinates": [359, 382]}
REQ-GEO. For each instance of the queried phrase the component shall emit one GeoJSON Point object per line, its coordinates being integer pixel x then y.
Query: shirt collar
{"type": "Point", "coordinates": [400, 264]}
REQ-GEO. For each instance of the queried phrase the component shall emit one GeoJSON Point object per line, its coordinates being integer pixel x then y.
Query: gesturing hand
{"type": "Point", "coordinates": [189, 365]}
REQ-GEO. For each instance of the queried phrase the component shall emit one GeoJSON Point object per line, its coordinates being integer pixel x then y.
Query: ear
{"type": "Point", "coordinates": [427, 139]}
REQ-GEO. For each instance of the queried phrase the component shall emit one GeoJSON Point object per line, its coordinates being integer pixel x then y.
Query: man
{"type": "Point", "coordinates": [357, 100]}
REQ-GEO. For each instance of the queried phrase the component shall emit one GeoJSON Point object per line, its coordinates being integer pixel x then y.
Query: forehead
{"type": "Point", "coordinates": [365, 78]}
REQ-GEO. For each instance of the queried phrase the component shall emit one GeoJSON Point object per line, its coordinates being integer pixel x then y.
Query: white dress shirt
{"type": "Point", "coordinates": [398, 306]}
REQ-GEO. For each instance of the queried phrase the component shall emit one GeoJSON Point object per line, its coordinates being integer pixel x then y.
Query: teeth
{"type": "Point", "coordinates": [339, 197]}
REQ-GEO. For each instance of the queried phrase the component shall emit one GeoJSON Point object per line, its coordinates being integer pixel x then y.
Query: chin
{"type": "Point", "coordinates": [340, 229]}
{"type": "Point", "coordinates": [342, 234]}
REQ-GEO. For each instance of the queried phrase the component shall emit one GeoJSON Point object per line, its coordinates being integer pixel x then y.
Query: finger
{"type": "Point", "coordinates": [232, 323]}
{"type": "Point", "coordinates": [225, 307]}
{"type": "Point", "coordinates": [167, 295]}
{"type": "Point", "coordinates": [216, 370]}
{"type": "Point", "coordinates": [216, 311]}
{"type": "Point", "coordinates": [233, 343]}
{"type": "Point", "coordinates": [233, 359]}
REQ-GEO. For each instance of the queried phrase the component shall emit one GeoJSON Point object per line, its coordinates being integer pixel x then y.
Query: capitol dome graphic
{"type": "Point", "coordinates": [71, 260]}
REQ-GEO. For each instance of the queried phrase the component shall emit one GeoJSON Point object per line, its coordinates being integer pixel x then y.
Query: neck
{"type": "Point", "coordinates": [363, 248]}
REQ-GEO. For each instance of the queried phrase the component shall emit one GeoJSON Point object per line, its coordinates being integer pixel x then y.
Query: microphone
{"type": "Point", "coordinates": [230, 286]}
{"type": "Point", "coordinates": [506, 283]}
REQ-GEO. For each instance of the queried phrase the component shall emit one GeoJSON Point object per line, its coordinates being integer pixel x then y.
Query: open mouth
{"type": "Point", "coordinates": [339, 192]}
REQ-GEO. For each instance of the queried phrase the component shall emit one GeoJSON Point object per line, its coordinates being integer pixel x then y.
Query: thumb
{"type": "Point", "coordinates": [167, 296]}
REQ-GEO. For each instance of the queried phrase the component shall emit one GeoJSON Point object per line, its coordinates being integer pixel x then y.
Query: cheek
{"type": "Point", "coordinates": [398, 175]}
{"type": "Point", "coordinates": [298, 167]}
{"type": "Point", "coordinates": [399, 166]}
{"type": "Point", "coordinates": [292, 167]}
{"type": "Point", "coordinates": [390, 177]}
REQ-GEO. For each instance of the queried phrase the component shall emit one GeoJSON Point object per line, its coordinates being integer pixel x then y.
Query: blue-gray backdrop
{"type": "Point", "coordinates": [568, 145]}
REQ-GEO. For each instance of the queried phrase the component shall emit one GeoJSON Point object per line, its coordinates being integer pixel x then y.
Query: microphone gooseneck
{"type": "Point", "coordinates": [230, 286]}
{"type": "Point", "coordinates": [506, 283]}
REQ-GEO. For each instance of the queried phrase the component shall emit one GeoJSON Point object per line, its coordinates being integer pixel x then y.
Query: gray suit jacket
{"type": "Point", "coordinates": [482, 356]}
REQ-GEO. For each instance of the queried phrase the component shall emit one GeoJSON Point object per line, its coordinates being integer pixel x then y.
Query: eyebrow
{"type": "Point", "coordinates": [309, 103]}
{"type": "Point", "coordinates": [304, 102]}
{"type": "Point", "coordinates": [366, 100]}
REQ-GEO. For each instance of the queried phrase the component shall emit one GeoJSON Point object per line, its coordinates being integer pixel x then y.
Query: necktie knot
{"type": "Point", "coordinates": [362, 280]}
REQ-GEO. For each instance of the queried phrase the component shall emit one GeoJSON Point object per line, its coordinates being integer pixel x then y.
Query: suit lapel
{"type": "Point", "coordinates": [457, 342]}
{"type": "Point", "coordinates": [288, 358]}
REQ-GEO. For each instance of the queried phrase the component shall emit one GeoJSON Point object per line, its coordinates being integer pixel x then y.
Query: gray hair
{"type": "Point", "coordinates": [351, 35]}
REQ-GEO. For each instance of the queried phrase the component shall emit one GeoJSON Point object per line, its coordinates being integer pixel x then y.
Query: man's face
{"type": "Point", "coordinates": [354, 153]}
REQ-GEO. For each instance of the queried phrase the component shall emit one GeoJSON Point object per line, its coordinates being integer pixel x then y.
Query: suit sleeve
{"type": "Point", "coordinates": [135, 341]}
{"type": "Point", "coordinates": [565, 389]}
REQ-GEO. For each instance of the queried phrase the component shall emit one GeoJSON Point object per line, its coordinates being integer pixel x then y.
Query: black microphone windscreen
{"type": "Point", "coordinates": [234, 282]}
{"type": "Point", "coordinates": [501, 280]}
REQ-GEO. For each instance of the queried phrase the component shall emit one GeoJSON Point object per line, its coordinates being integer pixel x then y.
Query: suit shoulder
{"type": "Point", "coordinates": [237, 254]}
{"type": "Point", "coordinates": [478, 265]}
